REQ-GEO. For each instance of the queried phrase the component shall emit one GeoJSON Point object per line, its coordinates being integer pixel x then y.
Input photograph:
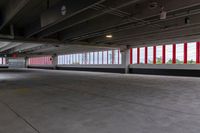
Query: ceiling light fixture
{"type": "Point", "coordinates": [109, 36]}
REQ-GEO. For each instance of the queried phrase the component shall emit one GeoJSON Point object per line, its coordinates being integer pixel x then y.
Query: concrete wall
{"type": "Point", "coordinates": [96, 68]}
{"type": "Point", "coordinates": [166, 69]}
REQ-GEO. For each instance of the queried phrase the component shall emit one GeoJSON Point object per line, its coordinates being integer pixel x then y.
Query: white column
{"type": "Point", "coordinates": [125, 58]}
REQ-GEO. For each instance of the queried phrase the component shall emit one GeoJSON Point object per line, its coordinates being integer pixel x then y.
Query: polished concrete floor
{"type": "Point", "coordinates": [44, 101]}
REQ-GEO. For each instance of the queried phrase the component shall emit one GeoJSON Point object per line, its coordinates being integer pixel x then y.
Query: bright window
{"type": "Point", "coordinates": [116, 56]}
{"type": "Point", "coordinates": [134, 55]}
{"type": "Point", "coordinates": [110, 57]}
{"type": "Point", "coordinates": [105, 57]}
{"type": "Point", "coordinates": [100, 58]}
{"type": "Point", "coordinates": [169, 51]}
{"type": "Point", "coordinates": [95, 57]}
{"type": "Point", "coordinates": [120, 57]}
{"type": "Point", "coordinates": [158, 54]}
{"type": "Point", "coordinates": [81, 58]}
{"type": "Point", "coordinates": [91, 58]}
{"type": "Point", "coordinates": [179, 53]}
{"type": "Point", "coordinates": [2, 61]}
{"type": "Point", "coordinates": [191, 59]}
{"type": "Point", "coordinates": [150, 55]}
{"type": "Point", "coordinates": [142, 55]}
{"type": "Point", "coordinates": [87, 58]}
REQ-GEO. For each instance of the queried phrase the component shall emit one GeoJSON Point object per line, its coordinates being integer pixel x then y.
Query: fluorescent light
{"type": "Point", "coordinates": [109, 36]}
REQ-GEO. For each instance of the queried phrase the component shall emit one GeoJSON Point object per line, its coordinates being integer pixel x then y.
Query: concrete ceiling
{"type": "Point", "coordinates": [41, 26]}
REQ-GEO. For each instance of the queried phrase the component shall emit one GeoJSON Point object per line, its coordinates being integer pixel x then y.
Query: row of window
{"type": "Point", "coordinates": [100, 57]}
{"type": "Point", "coordinates": [184, 53]}
{"type": "Point", "coordinates": [2, 61]}
{"type": "Point", "coordinates": [45, 60]}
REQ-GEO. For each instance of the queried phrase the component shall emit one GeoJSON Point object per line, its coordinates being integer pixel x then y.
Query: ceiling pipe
{"type": "Point", "coordinates": [92, 17]}
{"type": "Point", "coordinates": [170, 30]}
{"type": "Point", "coordinates": [73, 14]}
{"type": "Point", "coordinates": [114, 29]}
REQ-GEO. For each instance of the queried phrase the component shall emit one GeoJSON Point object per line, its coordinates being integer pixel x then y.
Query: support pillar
{"type": "Point", "coordinates": [125, 52]}
{"type": "Point", "coordinates": [55, 60]}
{"type": "Point", "coordinates": [26, 62]}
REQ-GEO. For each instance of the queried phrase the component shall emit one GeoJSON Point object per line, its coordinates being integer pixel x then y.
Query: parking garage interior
{"type": "Point", "coordinates": [99, 66]}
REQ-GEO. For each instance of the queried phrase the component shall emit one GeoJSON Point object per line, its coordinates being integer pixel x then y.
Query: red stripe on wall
{"type": "Point", "coordinates": [198, 53]}
{"type": "Point", "coordinates": [138, 55]}
{"type": "Point", "coordinates": [131, 55]}
{"type": "Point", "coordinates": [185, 53]}
{"type": "Point", "coordinates": [118, 55]}
{"type": "Point", "coordinates": [154, 54]}
{"type": "Point", "coordinates": [164, 54]}
{"type": "Point", "coordinates": [174, 54]}
{"type": "Point", "coordinates": [146, 55]}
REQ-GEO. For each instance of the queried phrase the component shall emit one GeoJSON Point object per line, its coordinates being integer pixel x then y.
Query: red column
{"type": "Point", "coordinates": [154, 54]}
{"type": "Point", "coordinates": [118, 55]}
{"type": "Point", "coordinates": [185, 53]}
{"type": "Point", "coordinates": [163, 54]}
{"type": "Point", "coordinates": [146, 55]}
{"type": "Point", "coordinates": [138, 55]}
{"type": "Point", "coordinates": [131, 55]}
{"type": "Point", "coordinates": [174, 54]}
{"type": "Point", "coordinates": [198, 53]}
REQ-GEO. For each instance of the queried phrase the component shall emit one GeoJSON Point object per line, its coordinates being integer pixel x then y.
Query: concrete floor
{"type": "Point", "coordinates": [44, 101]}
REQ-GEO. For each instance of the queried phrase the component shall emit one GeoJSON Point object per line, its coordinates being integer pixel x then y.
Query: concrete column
{"type": "Point", "coordinates": [55, 60]}
{"type": "Point", "coordinates": [26, 62]}
{"type": "Point", "coordinates": [125, 58]}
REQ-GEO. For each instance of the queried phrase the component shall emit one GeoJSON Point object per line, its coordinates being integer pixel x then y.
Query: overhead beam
{"type": "Point", "coordinates": [91, 29]}
{"type": "Point", "coordinates": [3, 44]}
{"type": "Point", "coordinates": [85, 17]}
{"type": "Point", "coordinates": [136, 30]}
{"type": "Point", "coordinates": [179, 32]}
{"type": "Point", "coordinates": [10, 46]}
{"type": "Point", "coordinates": [11, 10]}
{"type": "Point", "coordinates": [78, 8]}
{"type": "Point", "coordinates": [24, 47]}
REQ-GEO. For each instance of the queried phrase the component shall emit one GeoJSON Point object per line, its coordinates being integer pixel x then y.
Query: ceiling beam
{"type": "Point", "coordinates": [10, 46]}
{"type": "Point", "coordinates": [24, 47]}
{"type": "Point", "coordinates": [184, 33]}
{"type": "Point", "coordinates": [86, 30]}
{"type": "Point", "coordinates": [3, 44]}
{"type": "Point", "coordinates": [81, 7]}
{"type": "Point", "coordinates": [11, 10]}
{"type": "Point", "coordinates": [86, 16]}
{"type": "Point", "coordinates": [136, 30]}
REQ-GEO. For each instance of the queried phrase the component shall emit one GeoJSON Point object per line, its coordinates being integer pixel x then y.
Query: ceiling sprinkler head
{"type": "Point", "coordinates": [63, 10]}
{"type": "Point", "coordinates": [163, 14]}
